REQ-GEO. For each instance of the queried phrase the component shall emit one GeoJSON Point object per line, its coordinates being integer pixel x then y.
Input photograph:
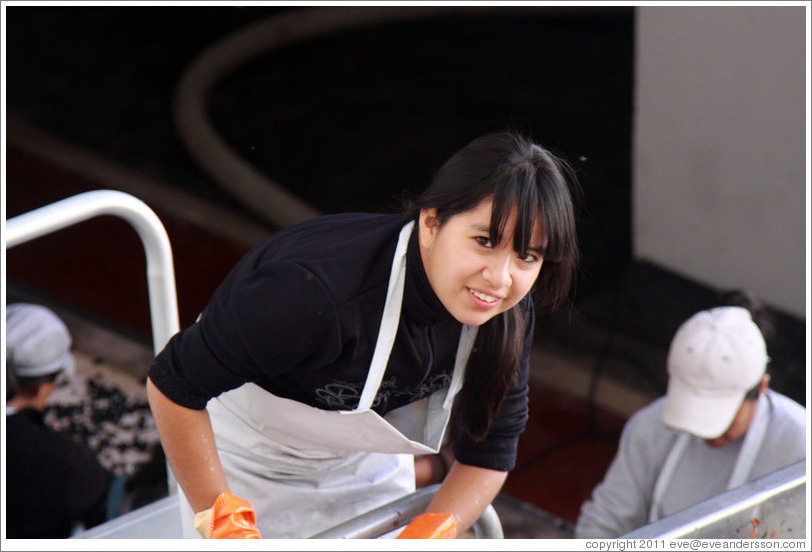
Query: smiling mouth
{"type": "Point", "coordinates": [484, 297]}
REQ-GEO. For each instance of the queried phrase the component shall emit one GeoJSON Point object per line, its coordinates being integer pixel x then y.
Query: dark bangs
{"type": "Point", "coordinates": [533, 190]}
{"type": "Point", "coordinates": [536, 184]}
{"type": "Point", "coordinates": [516, 188]}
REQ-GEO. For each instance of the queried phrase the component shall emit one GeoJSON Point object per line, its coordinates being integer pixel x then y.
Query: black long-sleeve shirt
{"type": "Point", "coordinates": [299, 316]}
{"type": "Point", "coordinates": [52, 482]}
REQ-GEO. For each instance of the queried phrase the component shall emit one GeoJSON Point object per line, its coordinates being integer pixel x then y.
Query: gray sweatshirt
{"type": "Point", "coordinates": [621, 502]}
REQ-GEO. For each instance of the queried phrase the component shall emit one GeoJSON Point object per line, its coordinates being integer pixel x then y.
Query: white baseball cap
{"type": "Point", "coordinates": [37, 342]}
{"type": "Point", "coordinates": [714, 359]}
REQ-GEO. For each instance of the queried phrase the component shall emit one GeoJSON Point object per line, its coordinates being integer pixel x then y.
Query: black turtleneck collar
{"type": "Point", "coordinates": [420, 304]}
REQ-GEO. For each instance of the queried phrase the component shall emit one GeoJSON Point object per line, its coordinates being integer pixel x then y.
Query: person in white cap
{"type": "Point", "coordinates": [53, 484]}
{"type": "Point", "coordinates": [717, 427]}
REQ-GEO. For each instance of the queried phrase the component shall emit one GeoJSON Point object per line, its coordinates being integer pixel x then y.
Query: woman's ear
{"type": "Point", "coordinates": [428, 226]}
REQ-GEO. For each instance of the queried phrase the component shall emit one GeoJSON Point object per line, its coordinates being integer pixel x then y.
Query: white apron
{"type": "Point", "coordinates": [306, 470]}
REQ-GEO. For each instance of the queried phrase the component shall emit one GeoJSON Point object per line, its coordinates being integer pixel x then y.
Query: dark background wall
{"type": "Point", "coordinates": [349, 121]}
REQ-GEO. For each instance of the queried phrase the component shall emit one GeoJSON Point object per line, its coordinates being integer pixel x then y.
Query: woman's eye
{"type": "Point", "coordinates": [483, 241]}
{"type": "Point", "coordinates": [528, 258]}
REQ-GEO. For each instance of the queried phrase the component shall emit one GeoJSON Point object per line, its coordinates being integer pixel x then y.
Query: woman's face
{"type": "Point", "coordinates": [474, 279]}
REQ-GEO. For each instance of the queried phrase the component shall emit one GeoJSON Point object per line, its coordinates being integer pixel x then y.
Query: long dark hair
{"type": "Point", "coordinates": [514, 172]}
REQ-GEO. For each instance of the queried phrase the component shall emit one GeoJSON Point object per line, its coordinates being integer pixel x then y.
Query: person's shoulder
{"type": "Point", "coordinates": [333, 236]}
{"type": "Point", "coordinates": [28, 418]}
{"type": "Point", "coordinates": [346, 223]}
{"type": "Point", "coordinates": [786, 407]}
{"type": "Point", "coordinates": [52, 445]}
{"type": "Point", "coordinates": [336, 258]}
{"type": "Point", "coordinates": [787, 428]}
{"type": "Point", "coordinates": [648, 419]}
{"type": "Point", "coordinates": [652, 410]}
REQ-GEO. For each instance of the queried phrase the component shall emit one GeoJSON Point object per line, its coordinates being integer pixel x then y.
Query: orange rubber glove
{"type": "Point", "coordinates": [231, 517]}
{"type": "Point", "coordinates": [431, 526]}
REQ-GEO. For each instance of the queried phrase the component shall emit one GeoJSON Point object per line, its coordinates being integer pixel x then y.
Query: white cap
{"type": "Point", "coordinates": [37, 342]}
{"type": "Point", "coordinates": [715, 358]}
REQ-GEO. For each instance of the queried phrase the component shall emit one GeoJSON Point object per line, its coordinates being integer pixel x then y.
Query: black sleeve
{"type": "Point", "coordinates": [277, 317]}
{"type": "Point", "coordinates": [498, 450]}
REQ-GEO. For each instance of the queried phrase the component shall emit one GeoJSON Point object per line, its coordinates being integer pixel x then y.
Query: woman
{"type": "Point", "coordinates": [332, 352]}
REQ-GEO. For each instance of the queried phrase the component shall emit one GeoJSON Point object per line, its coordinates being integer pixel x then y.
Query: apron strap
{"type": "Point", "coordinates": [389, 321]}
{"type": "Point", "coordinates": [666, 474]}
{"type": "Point", "coordinates": [752, 444]}
{"type": "Point", "coordinates": [467, 338]}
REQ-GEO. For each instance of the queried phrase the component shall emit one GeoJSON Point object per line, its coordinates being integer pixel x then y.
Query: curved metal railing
{"type": "Point", "coordinates": [163, 299]}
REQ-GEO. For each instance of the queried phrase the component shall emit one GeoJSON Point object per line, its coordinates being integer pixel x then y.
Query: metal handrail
{"type": "Point", "coordinates": [399, 513]}
{"type": "Point", "coordinates": [163, 299]}
{"type": "Point", "coordinates": [777, 500]}
{"type": "Point", "coordinates": [161, 520]}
